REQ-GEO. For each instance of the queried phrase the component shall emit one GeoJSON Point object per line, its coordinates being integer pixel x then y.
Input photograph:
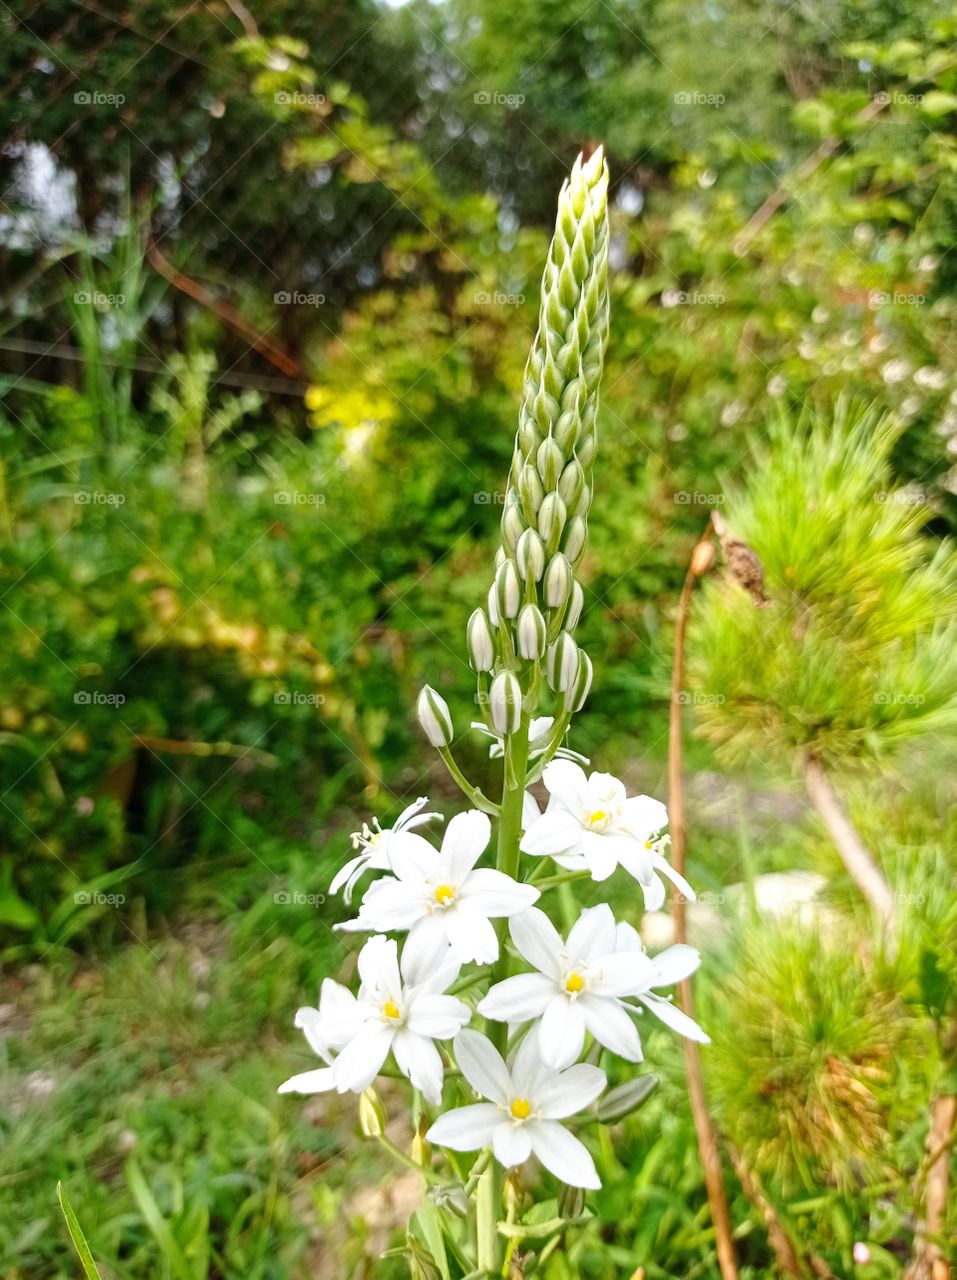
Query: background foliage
{"type": "Point", "coordinates": [264, 327]}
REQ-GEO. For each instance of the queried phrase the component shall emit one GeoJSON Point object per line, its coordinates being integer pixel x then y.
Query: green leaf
{"type": "Point", "coordinates": [157, 1223]}
{"type": "Point", "coordinates": [76, 1235]}
{"type": "Point", "coordinates": [938, 103]}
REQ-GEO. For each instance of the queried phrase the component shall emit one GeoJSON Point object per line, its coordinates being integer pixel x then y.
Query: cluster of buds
{"type": "Point", "coordinates": [535, 601]}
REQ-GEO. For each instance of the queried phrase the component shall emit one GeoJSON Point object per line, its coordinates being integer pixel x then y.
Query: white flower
{"type": "Point", "coordinates": [539, 733]}
{"type": "Point", "coordinates": [374, 844]}
{"type": "Point", "coordinates": [672, 965]}
{"type": "Point", "coordinates": [592, 824]}
{"type": "Point", "coordinates": [577, 986]}
{"type": "Point", "coordinates": [440, 896]}
{"type": "Point", "coordinates": [399, 1007]}
{"type": "Point", "coordinates": [526, 1101]}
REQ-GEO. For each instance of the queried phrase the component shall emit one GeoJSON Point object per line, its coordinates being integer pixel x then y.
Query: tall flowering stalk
{"type": "Point", "coordinates": [500, 1024]}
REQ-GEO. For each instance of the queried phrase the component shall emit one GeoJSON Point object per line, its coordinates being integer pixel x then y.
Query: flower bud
{"type": "Point", "coordinates": [451, 1199]}
{"type": "Point", "coordinates": [551, 520]}
{"type": "Point", "coordinates": [626, 1098]}
{"type": "Point", "coordinates": [575, 534]}
{"type": "Point", "coordinates": [575, 606]}
{"type": "Point", "coordinates": [550, 460]}
{"type": "Point", "coordinates": [702, 559]}
{"type": "Point", "coordinates": [558, 582]}
{"type": "Point", "coordinates": [571, 1201]}
{"type": "Point", "coordinates": [434, 717]}
{"type": "Point", "coordinates": [576, 695]}
{"type": "Point", "coordinates": [572, 484]}
{"type": "Point", "coordinates": [530, 555]}
{"type": "Point", "coordinates": [508, 590]}
{"type": "Point", "coordinates": [479, 641]}
{"type": "Point", "coordinates": [372, 1117]}
{"type": "Point", "coordinates": [563, 663]}
{"type": "Point", "coordinates": [530, 633]}
{"type": "Point", "coordinates": [493, 606]}
{"type": "Point", "coordinates": [530, 490]}
{"type": "Point", "coordinates": [512, 524]}
{"type": "Point", "coordinates": [505, 703]}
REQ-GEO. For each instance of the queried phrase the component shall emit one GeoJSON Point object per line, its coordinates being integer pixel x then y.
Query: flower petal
{"type": "Point", "coordinates": [562, 1154]}
{"type": "Point", "coordinates": [570, 1091]}
{"type": "Point", "coordinates": [674, 964]}
{"type": "Point", "coordinates": [392, 904]}
{"type": "Point", "coordinates": [556, 831]}
{"type": "Point", "coordinates": [674, 1018]}
{"type": "Point", "coordinates": [309, 1022]}
{"type": "Point", "coordinates": [493, 893]}
{"type": "Point", "coordinates": [561, 1032]}
{"type": "Point", "coordinates": [379, 970]}
{"type": "Point", "coordinates": [537, 941]}
{"type": "Point", "coordinates": [426, 955]}
{"type": "Point", "coordinates": [511, 1144]}
{"type": "Point", "coordinates": [466, 838]}
{"type": "Point", "coordinates": [530, 810]}
{"type": "Point", "coordinates": [677, 879]}
{"type": "Point", "coordinates": [627, 937]}
{"type": "Point", "coordinates": [482, 1065]}
{"type": "Point", "coordinates": [644, 816]}
{"type": "Point", "coordinates": [518, 999]}
{"type": "Point", "coordinates": [592, 934]}
{"type": "Point", "coordinates": [611, 1026]}
{"type": "Point", "coordinates": [471, 935]}
{"type": "Point", "coordinates": [623, 974]}
{"type": "Point", "coordinates": [439, 1017]}
{"type": "Point", "coordinates": [466, 1128]}
{"type": "Point", "coordinates": [359, 1062]}
{"type": "Point", "coordinates": [319, 1081]}
{"type": "Point", "coordinates": [567, 783]}
{"type": "Point", "coordinates": [600, 853]}
{"type": "Point", "coordinates": [653, 893]}
{"type": "Point", "coordinates": [346, 870]}
{"type": "Point", "coordinates": [417, 1057]}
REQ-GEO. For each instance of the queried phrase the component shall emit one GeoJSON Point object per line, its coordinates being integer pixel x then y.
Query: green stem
{"type": "Point", "coordinates": [478, 798]}
{"type": "Point", "coordinates": [566, 877]}
{"type": "Point", "coordinates": [487, 1199]}
{"type": "Point", "coordinates": [407, 1160]}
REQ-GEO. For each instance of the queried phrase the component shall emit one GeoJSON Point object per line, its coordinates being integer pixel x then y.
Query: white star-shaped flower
{"type": "Point", "coordinates": [439, 895]}
{"type": "Point", "coordinates": [580, 985]}
{"type": "Point", "coordinates": [526, 1102]}
{"type": "Point", "coordinates": [374, 844]}
{"type": "Point", "coordinates": [400, 1007]}
{"type": "Point", "coordinates": [592, 824]}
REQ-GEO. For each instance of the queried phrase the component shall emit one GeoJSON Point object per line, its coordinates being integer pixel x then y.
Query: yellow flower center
{"type": "Point", "coordinates": [649, 844]}
{"type": "Point", "coordinates": [521, 1108]}
{"type": "Point", "coordinates": [444, 893]}
{"type": "Point", "coordinates": [575, 982]}
{"type": "Point", "coordinates": [390, 1009]}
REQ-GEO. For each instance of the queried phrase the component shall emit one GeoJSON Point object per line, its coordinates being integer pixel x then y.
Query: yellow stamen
{"type": "Point", "coordinates": [444, 893]}
{"type": "Point", "coordinates": [390, 1009]}
{"type": "Point", "coordinates": [521, 1108]}
{"type": "Point", "coordinates": [598, 816]}
{"type": "Point", "coordinates": [574, 983]}
{"type": "Point", "coordinates": [649, 843]}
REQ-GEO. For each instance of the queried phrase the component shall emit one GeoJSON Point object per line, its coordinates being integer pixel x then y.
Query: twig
{"type": "Point", "coordinates": [179, 747]}
{"type": "Point", "coordinates": [704, 1126]}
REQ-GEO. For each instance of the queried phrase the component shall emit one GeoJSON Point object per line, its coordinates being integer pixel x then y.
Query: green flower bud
{"type": "Point", "coordinates": [530, 556]}
{"type": "Point", "coordinates": [575, 696]}
{"type": "Point", "coordinates": [505, 703]}
{"type": "Point", "coordinates": [562, 665]}
{"type": "Point", "coordinates": [575, 534]}
{"type": "Point", "coordinates": [575, 606]}
{"type": "Point", "coordinates": [551, 521]}
{"type": "Point", "coordinates": [531, 491]}
{"type": "Point", "coordinates": [451, 1199]}
{"type": "Point", "coordinates": [530, 633]}
{"type": "Point", "coordinates": [571, 1201]}
{"type": "Point", "coordinates": [480, 642]}
{"type": "Point", "coordinates": [434, 717]}
{"type": "Point", "coordinates": [558, 582]}
{"type": "Point", "coordinates": [508, 590]}
{"type": "Point", "coordinates": [492, 601]}
{"type": "Point", "coordinates": [550, 460]}
{"type": "Point", "coordinates": [372, 1117]}
{"type": "Point", "coordinates": [513, 525]}
{"type": "Point", "coordinates": [626, 1098]}
{"type": "Point", "coordinates": [571, 484]}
